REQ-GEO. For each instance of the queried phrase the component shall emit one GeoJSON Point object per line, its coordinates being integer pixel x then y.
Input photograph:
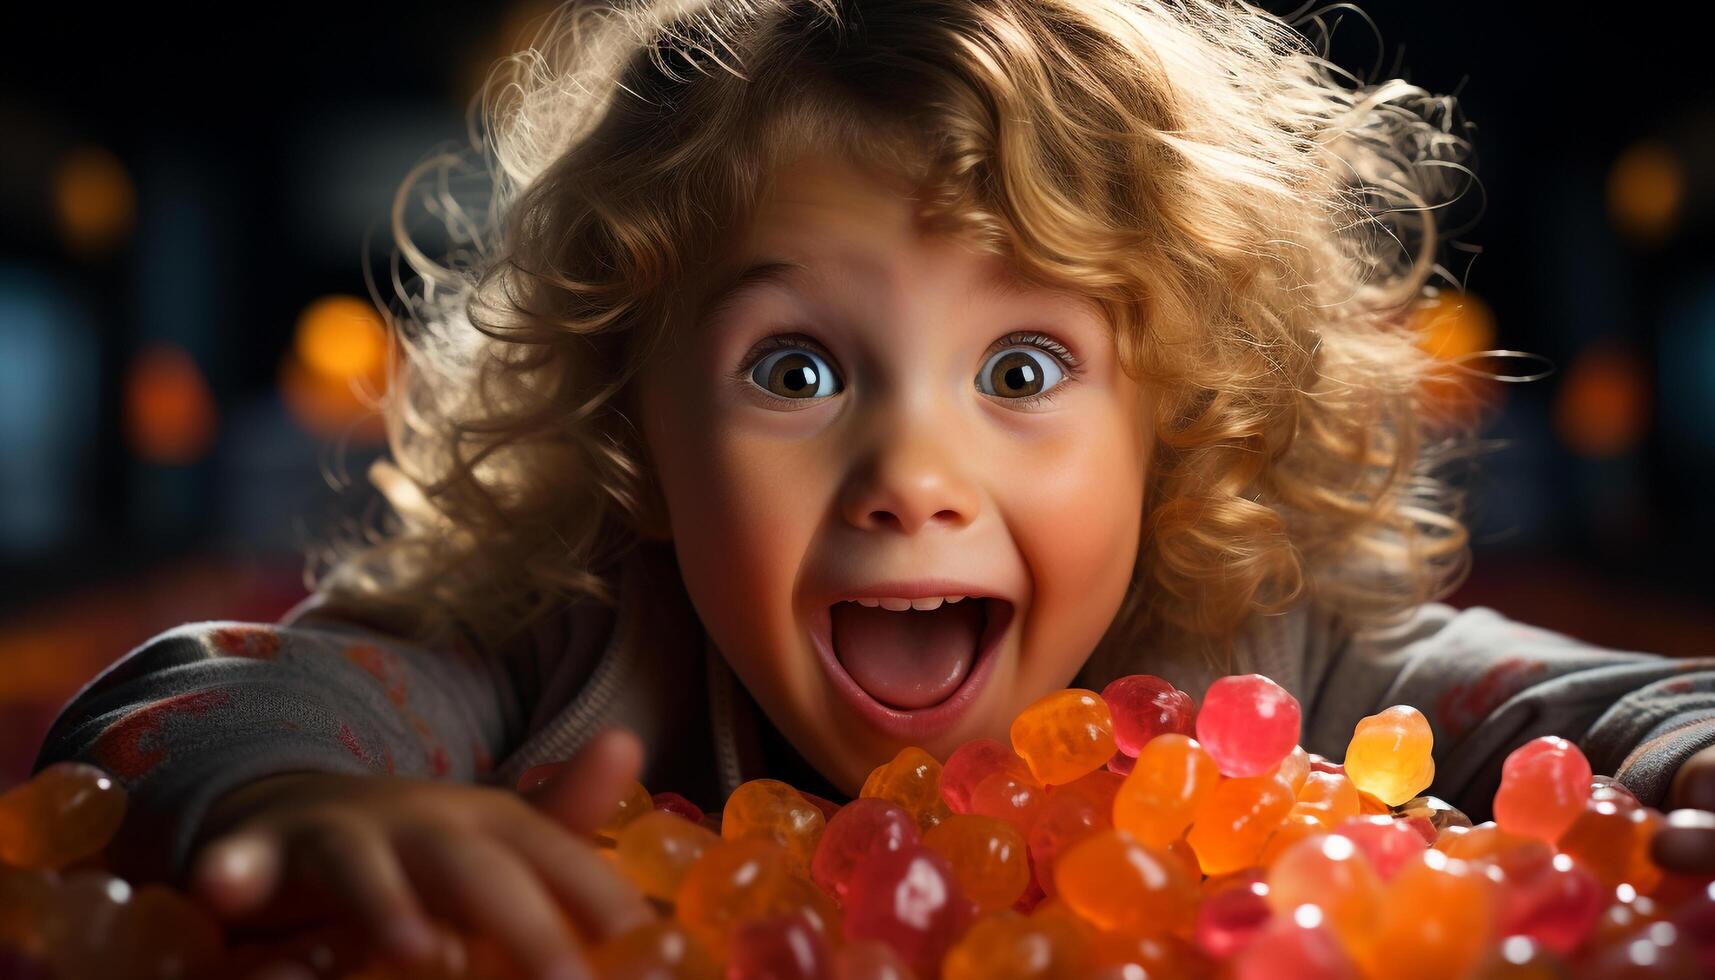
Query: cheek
{"type": "Point", "coordinates": [743, 512]}
{"type": "Point", "coordinates": [1077, 527]}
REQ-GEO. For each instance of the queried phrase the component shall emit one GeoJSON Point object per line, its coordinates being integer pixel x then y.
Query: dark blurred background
{"type": "Point", "coordinates": [189, 208]}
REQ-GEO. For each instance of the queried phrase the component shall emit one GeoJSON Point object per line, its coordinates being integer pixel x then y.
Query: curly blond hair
{"type": "Point", "coordinates": [1258, 225]}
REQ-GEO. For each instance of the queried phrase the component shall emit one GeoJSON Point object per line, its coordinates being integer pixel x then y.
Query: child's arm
{"type": "Point", "coordinates": [1488, 684]}
{"type": "Point", "coordinates": [207, 707]}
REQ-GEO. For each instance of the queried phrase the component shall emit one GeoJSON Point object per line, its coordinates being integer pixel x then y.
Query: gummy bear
{"type": "Point", "coordinates": [1233, 822]}
{"type": "Point", "coordinates": [773, 809]}
{"type": "Point", "coordinates": [1247, 724]}
{"type": "Point", "coordinates": [910, 900]}
{"type": "Point", "coordinates": [1172, 777]}
{"type": "Point", "coordinates": [1327, 871]}
{"type": "Point", "coordinates": [971, 763]}
{"type": "Point", "coordinates": [987, 855]}
{"type": "Point", "coordinates": [781, 948]}
{"type": "Point", "coordinates": [1544, 785]}
{"type": "Point", "coordinates": [738, 881]}
{"type": "Point", "coordinates": [1064, 735]}
{"type": "Point", "coordinates": [1389, 755]}
{"type": "Point", "coordinates": [1005, 945]}
{"type": "Point", "coordinates": [658, 948]}
{"type": "Point", "coordinates": [1144, 706]}
{"type": "Point", "coordinates": [656, 850]}
{"type": "Point", "coordinates": [1119, 883]}
{"type": "Point", "coordinates": [862, 829]}
{"type": "Point", "coordinates": [911, 779]}
{"type": "Point", "coordinates": [67, 811]}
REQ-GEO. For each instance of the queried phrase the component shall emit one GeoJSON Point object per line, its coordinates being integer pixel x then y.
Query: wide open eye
{"type": "Point", "coordinates": [795, 373]}
{"type": "Point", "coordinates": [1020, 372]}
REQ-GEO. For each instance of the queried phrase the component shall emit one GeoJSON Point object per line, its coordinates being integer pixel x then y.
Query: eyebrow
{"type": "Point", "coordinates": [1004, 281]}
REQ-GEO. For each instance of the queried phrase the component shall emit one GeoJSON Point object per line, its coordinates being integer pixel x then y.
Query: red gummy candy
{"type": "Point", "coordinates": [910, 900]}
{"type": "Point", "coordinates": [676, 804]}
{"type": "Point", "coordinates": [1144, 706]}
{"type": "Point", "coordinates": [782, 948]}
{"type": "Point", "coordinates": [1232, 918]}
{"type": "Point", "coordinates": [1248, 723]}
{"type": "Point", "coordinates": [1544, 785]}
{"type": "Point", "coordinates": [973, 762]}
{"type": "Point", "coordinates": [865, 828]}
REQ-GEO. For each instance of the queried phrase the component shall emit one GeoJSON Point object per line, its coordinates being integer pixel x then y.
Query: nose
{"type": "Point", "coordinates": [910, 480]}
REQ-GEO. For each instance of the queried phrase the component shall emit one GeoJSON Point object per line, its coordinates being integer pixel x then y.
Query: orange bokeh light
{"type": "Point", "coordinates": [1646, 187]}
{"type": "Point", "coordinates": [1603, 407]}
{"type": "Point", "coordinates": [170, 417]}
{"type": "Point", "coordinates": [94, 201]}
{"type": "Point", "coordinates": [337, 369]}
{"type": "Point", "coordinates": [1453, 326]}
{"type": "Point", "coordinates": [342, 337]}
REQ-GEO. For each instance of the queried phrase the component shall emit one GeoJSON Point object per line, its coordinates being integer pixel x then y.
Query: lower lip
{"type": "Point", "coordinates": [921, 724]}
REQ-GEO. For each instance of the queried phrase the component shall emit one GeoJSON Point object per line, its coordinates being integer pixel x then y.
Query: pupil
{"type": "Point", "coordinates": [797, 379]}
{"type": "Point", "coordinates": [1021, 374]}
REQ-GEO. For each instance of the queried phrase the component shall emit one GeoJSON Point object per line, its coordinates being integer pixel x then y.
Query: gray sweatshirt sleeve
{"type": "Point", "coordinates": [205, 707]}
{"type": "Point", "coordinates": [1488, 684]}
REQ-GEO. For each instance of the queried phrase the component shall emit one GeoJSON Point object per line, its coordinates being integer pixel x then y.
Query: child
{"type": "Point", "coordinates": [1090, 316]}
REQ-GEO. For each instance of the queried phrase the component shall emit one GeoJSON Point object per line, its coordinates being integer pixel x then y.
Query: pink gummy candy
{"type": "Point", "coordinates": [865, 828]}
{"type": "Point", "coordinates": [1144, 706]}
{"type": "Point", "coordinates": [1248, 723]}
{"type": "Point", "coordinates": [1386, 842]}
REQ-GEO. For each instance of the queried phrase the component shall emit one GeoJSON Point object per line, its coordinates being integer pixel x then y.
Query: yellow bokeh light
{"type": "Point", "coordinates": [170, 416]}
{"type": "Point", "coordinates": [1602, 409]}
{"type": "Point", "coordinates": [94, 201]}
{"type": "Point", "coordinates": [341, 338]}
{"type": "Point", "coordinates": [1646, 187]}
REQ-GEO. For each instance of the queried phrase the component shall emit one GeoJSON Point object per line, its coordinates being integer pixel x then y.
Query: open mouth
{"type": "Point", "coordinates": [913, 672]}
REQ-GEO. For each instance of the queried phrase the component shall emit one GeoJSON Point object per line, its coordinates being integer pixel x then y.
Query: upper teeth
{"type": "Point", "coordinates": [900, 605]}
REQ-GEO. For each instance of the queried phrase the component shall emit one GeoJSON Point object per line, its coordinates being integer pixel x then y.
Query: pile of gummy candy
{"type": "Point", "coordinates": [1126, 834]}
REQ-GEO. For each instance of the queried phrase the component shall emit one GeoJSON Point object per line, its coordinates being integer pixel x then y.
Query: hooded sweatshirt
{"type": "Point", "coordinates": [204, 708]}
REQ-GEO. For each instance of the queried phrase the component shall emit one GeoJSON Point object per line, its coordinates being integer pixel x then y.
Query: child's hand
{"type": "Point", "coordinates": [380, 849]}
{"type": "Point", "coordinates": [1687, 843]}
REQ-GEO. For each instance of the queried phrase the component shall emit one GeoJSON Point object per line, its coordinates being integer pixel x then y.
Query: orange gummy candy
{"type": "Point", "coordinates": [1119, 883]}
{"type": "Point", "coordinates": [1329, 872]}
{"type": "Point", "coordinates": [657, 849]}
{"type": "Point", "coordinates": [1613, 843]}
{"type": "Point", "coordinates": [1328, 796]}
{"type": "Point", "coordinates": [1299, 824]}
{"type": "Point", "coordinates": [1235, 821]}
{"type": "Point", "coordinates": [1435, 920]}
{"type": "Point", "coordinates": [67, 811]}
{"type": "Point", "coordinates": [1064, 735]}
{"type": "Point", "coordinates": [1005, 945]}
{"type": "Point", "coordinates": [988, 857]}
{"type": "Point", "coordinates": [634, 802]}
{"type": "Point", "coordinates": [912, 781]}
{"type": "Point", "coordinates": [1389, 756]}
{"type": "Point", "coordinates": [739, 881]}
{"type": "Point", "coordinates": [660, 948]}
{"type": "Point", "coordinates": [1294, 768]}
{"type": "Point", "coordinates": [1173, 775]}
{"type": "Point", "coordinates": [772, 809]}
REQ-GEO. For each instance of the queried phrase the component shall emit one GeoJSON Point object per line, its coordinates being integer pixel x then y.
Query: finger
{"type": "Point", "coordinates": [582, 794]}
{"type": "Point", "coordinates": [488, 889]}
{"type": "Point", "coordinates": [235, 875]}
{"type": "Point", "coordinates": [1686, 842]}
{"type": "Point", "coordinates": [604, 903]}
{"type": "Point", "coordinates": [1694, 785]}
{"type": "Point", "coordinates": [357, 863]}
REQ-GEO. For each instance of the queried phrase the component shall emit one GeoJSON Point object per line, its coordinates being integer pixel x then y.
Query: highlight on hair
{"type": "Point", "coordinates": [1258, 225]}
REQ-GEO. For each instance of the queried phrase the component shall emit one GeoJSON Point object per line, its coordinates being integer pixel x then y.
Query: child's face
{"type": "Point", "coordinates": [896, 450]}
